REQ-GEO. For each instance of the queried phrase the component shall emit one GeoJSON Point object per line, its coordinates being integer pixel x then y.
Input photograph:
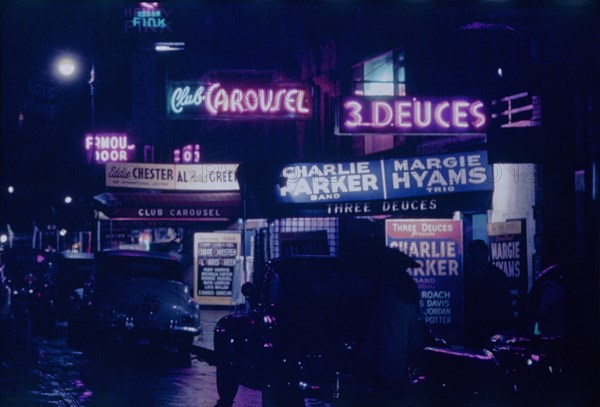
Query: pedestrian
{"type": "Point", "coordinates": [488, 306]}
{"type": "Point", "coordinates": [395, 330]}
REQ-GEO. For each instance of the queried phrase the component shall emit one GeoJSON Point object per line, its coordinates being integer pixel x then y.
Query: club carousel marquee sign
{"type": "Point", "coordinates": [216, 100]}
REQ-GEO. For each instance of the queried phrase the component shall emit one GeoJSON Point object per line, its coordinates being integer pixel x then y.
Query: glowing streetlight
{"type": "Point", "coordinates": [63, 232]}
{"type": "Point", "coordinates": [3, 238]}
{"type": "Point", "coordinates": [68, 199]}
{"type": "Point", "coordinates": [11, 189]}
{"type": "Point", "coordinates": [66, 66]}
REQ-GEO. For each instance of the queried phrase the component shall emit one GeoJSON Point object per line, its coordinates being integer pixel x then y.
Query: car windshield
{"type": "Point", "coordinates": [134, 266]}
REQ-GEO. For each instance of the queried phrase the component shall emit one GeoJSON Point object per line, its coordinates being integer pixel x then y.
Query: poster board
{"type": "Point", "coordinates": [436, 244]}
{"type": "Point", "coordinates": [215, 267]}
{"type": "Point", "coordinates": [508, 252]}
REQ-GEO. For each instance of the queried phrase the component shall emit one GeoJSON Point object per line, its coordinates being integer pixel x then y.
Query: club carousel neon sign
{"type": "Point", "coordinates": [221, 101]}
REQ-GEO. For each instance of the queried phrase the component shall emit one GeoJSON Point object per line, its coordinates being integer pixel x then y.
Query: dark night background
{"type": "Point", "coordinates": [549, 48]}
{"type": "Point", "coordinates": [554, 47]}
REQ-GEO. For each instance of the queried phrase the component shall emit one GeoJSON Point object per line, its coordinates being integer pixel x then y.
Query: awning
{"type": "Point", "coordinates": [217, 206]}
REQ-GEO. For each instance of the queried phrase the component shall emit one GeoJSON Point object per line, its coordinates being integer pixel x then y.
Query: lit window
{"type": "Point", "coordinates": [383, 75]}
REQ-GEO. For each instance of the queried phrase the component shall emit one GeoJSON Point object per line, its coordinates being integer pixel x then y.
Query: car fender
{"type": "Point", "coordinates": [230, 333]}
{"type": "Point", "coordinates": [238, 346]}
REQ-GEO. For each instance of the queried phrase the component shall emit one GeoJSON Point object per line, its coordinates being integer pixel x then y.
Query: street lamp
{"type": "Point", "coordinates": [67, 67]}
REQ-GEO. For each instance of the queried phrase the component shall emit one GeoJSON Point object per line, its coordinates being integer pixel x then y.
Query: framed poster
{"type": "Point", "coordinates": [436, 244]}
{"type": "Point", "coordinates": [508, 252]}
{"type": "Point", "coordinates": [215, 267]}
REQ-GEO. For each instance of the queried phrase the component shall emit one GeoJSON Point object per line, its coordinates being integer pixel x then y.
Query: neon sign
{"type": "Point", "coordinates": [221, 101]}
{"type": "Point", "coordinates": [149, 17]}
{"type": "Point", "coordinates": [188, 154]}
{"type": "Point", "coordinates": [104, 147]}
{"type": "Point", "coordinates": [361, 114]}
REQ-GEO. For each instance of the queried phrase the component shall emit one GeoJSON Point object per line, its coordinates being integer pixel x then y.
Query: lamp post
{"type": "Point", "coordinates": [67, 68]}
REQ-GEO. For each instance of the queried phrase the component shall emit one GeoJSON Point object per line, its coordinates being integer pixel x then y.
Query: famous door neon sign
{"type": "Point", "coordinates": [221, 101]}
{"type": "Point", "coordinates": [363, 115]}
{"type": "Point", "coordinates": [105, 147]}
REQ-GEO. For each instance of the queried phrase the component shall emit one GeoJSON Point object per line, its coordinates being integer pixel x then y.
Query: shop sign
{"type": "Point", "coordinates": [436, 245]}
{"type": "Point", "coordinates": [179, 177]}
{"type": "Point", "coordinates": [215, 259]}
{"type": "Point", "coordinates": [402, 115]}
{"type": "Point", "coordinates": [508, 252]}
{"type": "Point", "coordinates": [105, 147]}
{"type": "Point", "coordinates": [216, 100]}
{"type": "Point", "coordinates": [149, 17]}
{"type": "Point", "coordinates": [187, 154]}
{"type": "Point", "coordinates": [176, 213]}
{"type": "Point", "coordinates": [385, 179]}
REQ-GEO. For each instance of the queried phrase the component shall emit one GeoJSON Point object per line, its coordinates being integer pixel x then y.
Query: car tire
{"type": "Point", "coordinates": [227, 383]}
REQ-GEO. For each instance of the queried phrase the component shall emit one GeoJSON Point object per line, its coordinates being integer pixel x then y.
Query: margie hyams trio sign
{"type": "Point", "coordinates": [397, 115]}
{"type": "Point", "coordinates": [385, 179]}
{"type": "Point", "coordinates": [205, 100]}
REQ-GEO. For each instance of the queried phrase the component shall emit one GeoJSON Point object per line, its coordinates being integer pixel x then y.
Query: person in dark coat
{"type": "Point", "coordinates": [395, 330]}
{"type": "Point", "coordinates": [488, 306]}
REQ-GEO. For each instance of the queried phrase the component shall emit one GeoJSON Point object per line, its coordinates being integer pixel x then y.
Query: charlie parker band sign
{"type": "Point", "coordinates": [385, 179]}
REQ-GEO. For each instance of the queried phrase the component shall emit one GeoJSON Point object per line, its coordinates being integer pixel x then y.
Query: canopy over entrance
{"type": "Point", "coordinates": [217, 206]}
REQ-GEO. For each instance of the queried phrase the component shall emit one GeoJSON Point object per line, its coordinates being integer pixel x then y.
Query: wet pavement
{"type": "Point", "coordinates": [42, 370]}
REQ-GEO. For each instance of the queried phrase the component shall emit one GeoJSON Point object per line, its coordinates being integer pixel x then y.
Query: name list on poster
{"type": "Point", "coordinates": [216, 265]}
{"type": "Point", "coordinates": [436, 246]}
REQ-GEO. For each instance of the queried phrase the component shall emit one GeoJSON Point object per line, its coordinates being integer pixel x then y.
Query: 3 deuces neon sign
{"type": "Point", "coordinates": [362, 114]}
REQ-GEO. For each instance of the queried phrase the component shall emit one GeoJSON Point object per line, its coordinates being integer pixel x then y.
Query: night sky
{"type": "Point", "coordinates": [44, 119]}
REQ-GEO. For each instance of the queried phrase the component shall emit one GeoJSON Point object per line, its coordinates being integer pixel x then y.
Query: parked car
{"type": "Point", "coordinates": [303, 336]}
{"type": "Point", "coordinates": [542, 364]}
{"type": "Point", "coordinates": [135, 297]}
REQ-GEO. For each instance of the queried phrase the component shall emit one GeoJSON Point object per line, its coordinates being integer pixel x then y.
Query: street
{"type": "Point", "coordinates": [42, 370]}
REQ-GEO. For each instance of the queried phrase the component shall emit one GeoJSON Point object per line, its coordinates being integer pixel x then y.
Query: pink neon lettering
{"type": "Point", "coordinates": [278, 96]}
{"type": "Point", "coordinates": [299, 101]}
{"type": "Point", "coordinates": [251, 100]}
{"type": "Point", "coordinates": [289, 100]}
{"type": "Point", "coordinates": [422, 117]}
{"type": "Point", "coordinates": [439, 119]}
{"type": "Point", "coordinates": [264, 103]}
{"type": "Point", "coordinates": [387, 111]}
{"type": "Point", "coordinates": [235, 101]}
{"type": "Point", "coordinates": [475, 112]}
{"type": "Point", "coordinates": [221, 100]}
{"type": "Point", "coordinates": [459, 114]}
{"type": "Point", "coordinates": [209, 98]}
{"type": "Point", "coordinates": [354, 114]}
{"type": "Point", "coordinates": [444, 114]}
{"type": "Point", "coordinates": [107, 143]}
{"type": "Point", "coordinates": [403, 112]}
